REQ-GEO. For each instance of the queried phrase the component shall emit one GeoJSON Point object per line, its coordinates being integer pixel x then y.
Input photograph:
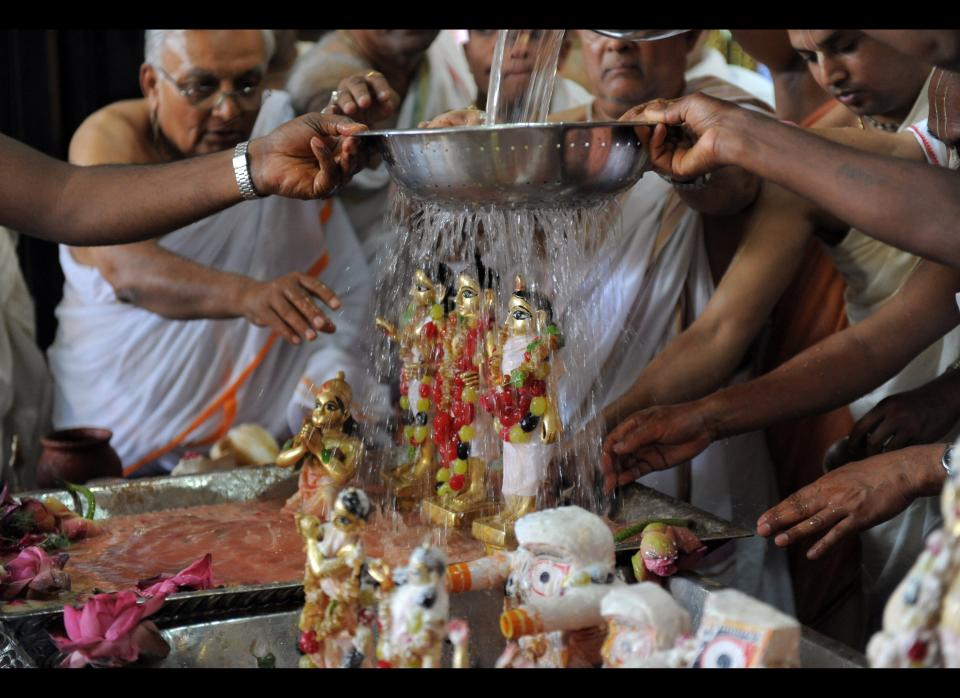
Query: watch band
{"type": "Point", "coordinates": [691, 185]}
{"type": "Point", "coordinates": [946, 460]}
{"type": "Point", "coordinates": [242, 172]}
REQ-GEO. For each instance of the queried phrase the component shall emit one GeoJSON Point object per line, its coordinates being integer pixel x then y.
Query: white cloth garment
{"type": "Point", "coordinates": [25, 387]}
{"type": "Point", "coordinates": [147, 378]}
{"type": "Point", "coordinates": [659, 282]}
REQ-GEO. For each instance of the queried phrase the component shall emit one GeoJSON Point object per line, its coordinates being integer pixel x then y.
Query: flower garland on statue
{"type": "Point", "coordinates": [453, 428]}
{"type": "Point", "coordinates": [520, 401]}
{"type": "Point", "coordinates": [415, 434]}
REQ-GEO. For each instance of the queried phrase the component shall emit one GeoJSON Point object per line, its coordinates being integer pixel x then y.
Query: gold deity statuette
{"type": "Point", "coordinates": [330, 453]}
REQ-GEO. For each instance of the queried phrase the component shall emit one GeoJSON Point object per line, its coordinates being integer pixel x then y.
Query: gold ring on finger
{"type": "Point", "coordinates": [371, 73]}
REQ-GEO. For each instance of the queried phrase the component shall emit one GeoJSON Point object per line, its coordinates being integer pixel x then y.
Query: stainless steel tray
{"type": "Point", "coordinates": [638, 503]}
{"type": "Point", "coordinates": [30, 624]}
{"type": "Point", "coordinates": [271, 639]}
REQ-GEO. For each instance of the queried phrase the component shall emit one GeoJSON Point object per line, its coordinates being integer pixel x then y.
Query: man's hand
{"type": "Point", "coordinates": [915, 417]}
{"type": "Point", "coordinates": [853, 498]}
{"type": "Point", "coordinates": [457, 117]}
{"type": "Point", "coordinates": [366, 97]}
{"type": "Point", "coordinates": [653, 439]}
{"type": "Point", "coordinates": [689, 133]}
{"type": "Point", "coordinates": [309, 157]}
{"type": "Point", "coordinates": [284, 304]}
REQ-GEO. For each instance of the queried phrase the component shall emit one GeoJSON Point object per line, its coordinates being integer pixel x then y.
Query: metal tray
{"type": "Point", "coordinates": [31, 623]}
{"type": "Point", "coordinates": [639, 503]}
{"type": "Point", "coordinates": [271, 639]}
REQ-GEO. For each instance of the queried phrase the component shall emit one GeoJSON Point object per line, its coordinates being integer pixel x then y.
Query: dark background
{"type": "Point", "coordinates": [50, 81]}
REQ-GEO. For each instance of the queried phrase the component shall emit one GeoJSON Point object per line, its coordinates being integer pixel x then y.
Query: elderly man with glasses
{"type": "Point", "coordinates": [244, 277]}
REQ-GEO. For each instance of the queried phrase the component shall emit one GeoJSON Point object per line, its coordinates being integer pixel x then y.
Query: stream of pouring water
{"type": "Point", "coordinates": [516, 50]}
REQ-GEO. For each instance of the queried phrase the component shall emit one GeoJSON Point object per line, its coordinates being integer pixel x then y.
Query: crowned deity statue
{"type": "Point", "coordinates": [462, 434]}
{"type": "Point", "coordinates": [523, 404]}
{"type": "Point", "coordinates": [327, 448]}
{"type": "Point", "coordinates": [554, 584]}
{"type": "Point", "coordinates": [419, 337]}
{"type": "Point", "coordinates": [415, 616]}
{"type": "Point", "coordinates": [340, 587]}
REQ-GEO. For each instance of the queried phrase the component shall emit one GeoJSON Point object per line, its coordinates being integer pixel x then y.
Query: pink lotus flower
{"type": "Point", "coordinates": [109, 630]}
{"type": "Point", "coordinates": [196, 576]}
{"type": "Point", "coordinates": [34, 573]}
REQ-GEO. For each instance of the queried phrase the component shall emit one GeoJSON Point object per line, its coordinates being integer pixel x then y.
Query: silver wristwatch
{"type": "Point", "coordinates": [691, 185]}
{"type": "Point", "coordinates": [946, 460]}
{"type": "Point", "coordinates": [242, 171]}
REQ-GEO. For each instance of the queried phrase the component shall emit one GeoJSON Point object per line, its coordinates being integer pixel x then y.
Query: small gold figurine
{"type": "Point", "coordinates": [330, 454]}
{"type": "Point", "coordinates": [414, 616]}
{"type": "Point", "coordinates": [419, 338]}
{"type": "Point", "coordinates": [525, 411]}
{"type": "Point", "coordinates": [338, 612]}
{"type": "Point", "coordinates": [458, 430]}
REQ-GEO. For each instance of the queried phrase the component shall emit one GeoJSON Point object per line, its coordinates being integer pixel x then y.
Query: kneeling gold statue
{"type": "Point", "coordinates": [329, 452]}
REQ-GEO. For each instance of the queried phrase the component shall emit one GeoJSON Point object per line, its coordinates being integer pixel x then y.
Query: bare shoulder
{"type": "Point", "coordinates": [113, 135]}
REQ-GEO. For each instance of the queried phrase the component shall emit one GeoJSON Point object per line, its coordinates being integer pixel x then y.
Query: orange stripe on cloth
{"type": "Point", "coordinates": [227, 401]}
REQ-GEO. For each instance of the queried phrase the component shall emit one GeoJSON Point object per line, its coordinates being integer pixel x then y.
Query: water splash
{"type": "Point", "coordinates": [565, 253]}
{"type": "Point", "coordinates": [523, 75]}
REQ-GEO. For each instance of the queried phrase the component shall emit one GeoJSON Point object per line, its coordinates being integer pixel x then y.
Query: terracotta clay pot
{"type": "Point", "coordinates": [77, 455]}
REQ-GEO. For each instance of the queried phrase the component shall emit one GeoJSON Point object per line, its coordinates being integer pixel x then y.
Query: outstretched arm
{"type": "Point", "coordinates": [309, 157]}
{"type": "Point", "coordinates": [909, 205]}
{"type": "Point", "coordinates": [705, 355]}
{"type": "Point", "coordinates": [833, 372]}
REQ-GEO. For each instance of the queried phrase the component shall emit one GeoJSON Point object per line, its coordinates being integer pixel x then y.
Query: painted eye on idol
{"type": "Point", "coordinates": [521, 314]}
{"type": "Point", "coordinates": [724, 653]}
{"type": "Point", "coordinates": [421, 288]}
{"type": "Point", "coordinates": [344, 521]}
{"type": "Point", "coordinates": [546, 577]}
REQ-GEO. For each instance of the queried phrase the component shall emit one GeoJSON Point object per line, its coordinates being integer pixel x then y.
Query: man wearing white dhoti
{"type": "Point", "coordinates": [123, 357]}
{"type": "Point", "coordinates": [659, 279]}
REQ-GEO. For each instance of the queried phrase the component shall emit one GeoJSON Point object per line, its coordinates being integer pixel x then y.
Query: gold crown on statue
{"type": "Point", "coordinates": [335, 387]}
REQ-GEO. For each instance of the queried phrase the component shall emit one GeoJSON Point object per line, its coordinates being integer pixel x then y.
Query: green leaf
{"type": "Point", "coordinates": [637, 528]}
{"type": "Point", "coordinates": [91, 508]}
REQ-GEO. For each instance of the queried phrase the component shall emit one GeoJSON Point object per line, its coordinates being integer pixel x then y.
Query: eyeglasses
{"type": "Point", "coordinates": [207, 95]}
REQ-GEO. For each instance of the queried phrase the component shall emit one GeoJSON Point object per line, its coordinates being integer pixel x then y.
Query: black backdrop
{"type": "Point", "coordinates": [50, 81]}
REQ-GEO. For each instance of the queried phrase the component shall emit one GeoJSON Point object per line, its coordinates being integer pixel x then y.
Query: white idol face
{"type": "Point", "coordinates": [537, 575]}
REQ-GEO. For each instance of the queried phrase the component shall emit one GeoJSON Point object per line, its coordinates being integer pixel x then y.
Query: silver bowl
{"type": "Point", "coordinates": [514, 165]}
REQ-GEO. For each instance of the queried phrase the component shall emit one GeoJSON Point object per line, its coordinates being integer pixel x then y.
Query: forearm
{"type": "Point", "coordinates": [828, 375]}
{"type": "Point", "coordinates": [691, 366]}
{"type": "Point", "coordinates": [906, 204]}
{"type": "Point", "coordinates": [172, 286]}
{"type": "Point", "coordinates": [114, 204]}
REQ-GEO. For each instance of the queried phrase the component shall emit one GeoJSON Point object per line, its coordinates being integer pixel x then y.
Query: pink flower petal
{"type": "Point", "coordinates": [71, 621]}
{"type": "Point", "coordinates": [125, 622]}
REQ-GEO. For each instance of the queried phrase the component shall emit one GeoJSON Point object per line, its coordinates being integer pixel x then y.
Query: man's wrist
{"type": "Point", "coordinates": [932, 472]}
{"type": "Point", "coordinates": [256, 157]}
{"type": "Point", "coordinates": [733, 147]}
